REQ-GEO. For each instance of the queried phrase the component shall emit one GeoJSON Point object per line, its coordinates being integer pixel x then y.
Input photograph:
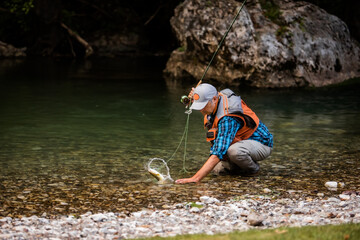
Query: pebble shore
{"type": "Point", "coordinates": [207, 216]}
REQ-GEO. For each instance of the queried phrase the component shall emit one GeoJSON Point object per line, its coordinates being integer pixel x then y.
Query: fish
{"type": "Point", "coordinates": [156, 175]}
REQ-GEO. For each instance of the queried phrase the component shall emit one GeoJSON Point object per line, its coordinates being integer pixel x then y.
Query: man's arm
{"type": "Point", "coordinates": [204, 170]}
{"type": "Point", "coordinates": [228, 127]}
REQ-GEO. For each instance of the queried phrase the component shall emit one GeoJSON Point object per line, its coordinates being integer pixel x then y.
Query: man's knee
{"type": "Point", "coordinates": [237, 153]}
{"type": "Point", "coordinates": [240, 156]}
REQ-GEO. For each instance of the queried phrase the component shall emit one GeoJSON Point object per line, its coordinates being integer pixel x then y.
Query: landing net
{"type": "Point", "coordinates": [160, 167]}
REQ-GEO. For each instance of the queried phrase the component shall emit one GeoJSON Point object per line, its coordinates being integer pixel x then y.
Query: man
{"type": "Point", "coordinates": [239, 139]}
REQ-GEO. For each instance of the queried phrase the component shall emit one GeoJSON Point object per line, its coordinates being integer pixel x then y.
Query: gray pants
{"type": "Point", "coordinates": [242, 158]}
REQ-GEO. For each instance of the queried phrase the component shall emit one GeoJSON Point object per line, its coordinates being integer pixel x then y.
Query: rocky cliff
{"type": "Point", "coordinates": [277, 43]}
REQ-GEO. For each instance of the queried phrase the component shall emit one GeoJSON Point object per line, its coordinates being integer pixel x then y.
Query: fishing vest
{"type": "Point", "coordinates": [230, 105]}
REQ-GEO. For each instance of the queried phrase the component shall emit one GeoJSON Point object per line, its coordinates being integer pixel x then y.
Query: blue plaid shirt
{"type": "Point", "coordinates": [227, 128]}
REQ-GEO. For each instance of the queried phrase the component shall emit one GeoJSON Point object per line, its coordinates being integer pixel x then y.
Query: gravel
{"type": "Point", "coordinates": [208, 216]}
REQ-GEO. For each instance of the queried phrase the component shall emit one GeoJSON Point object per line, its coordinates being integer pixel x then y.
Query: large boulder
{"type": "Point", "coordinates": [277, 43]}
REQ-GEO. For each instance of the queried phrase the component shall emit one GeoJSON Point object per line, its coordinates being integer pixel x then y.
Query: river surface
{"type": "Point", "coordinates": [75, 136]}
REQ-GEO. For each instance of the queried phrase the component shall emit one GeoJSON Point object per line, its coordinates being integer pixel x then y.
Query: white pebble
{"type": "Point", "coordinates": [344, 197]}
{"type": "Point", "coordinates": [98, 217]}
{"type": "Point", "coordinates": [331, 184]}
{"type": "Point", "coordinates": [266, 190]}
{"type": "Point", "coordinates": [195, 210]}
{"type": "Point", "coordinates": [208, 200]}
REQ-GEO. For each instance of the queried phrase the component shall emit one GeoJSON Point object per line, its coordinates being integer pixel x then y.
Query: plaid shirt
{"type": "Point", "coordinates": [227, 129]}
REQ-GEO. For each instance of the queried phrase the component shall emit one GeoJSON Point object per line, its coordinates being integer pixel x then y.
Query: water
{"type": "Point", "coordinates": [75, 136]}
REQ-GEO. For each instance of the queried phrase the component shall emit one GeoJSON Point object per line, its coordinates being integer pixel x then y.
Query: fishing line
{"type": "Point", "coordinates": [187, 100]}
{"type": "Point", "coordinates": [157, 173]}
{"type": "Point", "coordinates": [184, 137]}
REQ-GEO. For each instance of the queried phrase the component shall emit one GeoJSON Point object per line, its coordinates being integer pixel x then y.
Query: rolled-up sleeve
{"type": "Point", "coordinates": [227, 128]}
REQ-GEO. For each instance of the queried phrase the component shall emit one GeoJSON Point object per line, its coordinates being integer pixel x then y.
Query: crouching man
{"type": "Point", "coordinates": [238, 138]}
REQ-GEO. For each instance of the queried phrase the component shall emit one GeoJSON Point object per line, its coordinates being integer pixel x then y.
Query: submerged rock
{"type": "Point", "coordinates": [279, 44]}
{"type": "Point", "coordinates": [331, 184]}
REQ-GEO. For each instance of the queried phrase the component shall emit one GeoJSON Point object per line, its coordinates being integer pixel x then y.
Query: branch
{"type": "Point", "coordinates": [85, 44]}
{"type": "Point", "coordinates": [152, 17]}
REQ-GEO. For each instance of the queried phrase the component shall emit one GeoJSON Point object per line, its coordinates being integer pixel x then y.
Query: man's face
{"type": "Point", "coordinates": [209, 107]}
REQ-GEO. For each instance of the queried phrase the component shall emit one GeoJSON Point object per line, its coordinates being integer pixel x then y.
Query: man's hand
{"type": "Point", "coordinates": [191, 93]}
{"type": "Point", "coordinates": [204, 170]}
{"type": "Point", "coordinates": [186, 180]}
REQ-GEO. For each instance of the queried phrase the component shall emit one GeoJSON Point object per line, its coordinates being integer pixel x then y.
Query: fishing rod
{"type": "Point", "coordinates": [186, 100]}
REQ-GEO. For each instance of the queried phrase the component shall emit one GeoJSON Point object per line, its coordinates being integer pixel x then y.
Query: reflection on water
{"type": "Point", "coordinates": [75, 136]}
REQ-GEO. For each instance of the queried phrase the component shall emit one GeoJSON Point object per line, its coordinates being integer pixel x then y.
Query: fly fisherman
{"type": "Point", "coordinates": [238, 138]}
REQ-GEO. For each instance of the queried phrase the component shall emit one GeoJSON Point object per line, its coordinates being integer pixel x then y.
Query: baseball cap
{"type": "Point", "coordinates": [202, 95]}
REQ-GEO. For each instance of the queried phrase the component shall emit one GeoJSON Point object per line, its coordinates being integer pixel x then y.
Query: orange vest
{"type": "Point", "coordinates": [228, 105]}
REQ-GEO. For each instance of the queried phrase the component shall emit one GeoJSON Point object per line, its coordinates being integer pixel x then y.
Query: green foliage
{"type": "Point", "coordinates": [282, 30]}
{"type": "Point", "coordinates": [193, 204]}
{"type": "Point", "coordinates": [271, 11]}
{"type": "Point", "coordinates": [182, 49]}
{"type": "Point", "coordinates": [300, 21]}
{"type": "Point", "coordinates": [15, 18]}
{"type": "Point", "coordinates": [19, 7]}
{"type": "Point", "coordinates": [209, 3]}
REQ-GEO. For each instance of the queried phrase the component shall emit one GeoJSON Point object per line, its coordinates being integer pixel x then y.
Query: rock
{"type": "Point", "coordinates": [266, 190]}
{"type": "Point", "coordinates": [137, 214]}
{"type": "Point", "coordinates": [344, 197]}
{"type": "Point", "coordinates": [99, 217]}
{"type": "Point", "coordinates": [255, 219]}
{"type": "Point", "coordinates": [7, 50]}
{"type": "Point", "coordinates": [354, 193]}
{"type": "Point", "coordinates": [291, 191]}
{"type": "Point", "coordinates": [333, 199]}
{"type": "Point", "coordinates": [332, 186]}
{"type": "Point", "coordinates": [116, 44]}
{"type": "Point", "coordinates": [195, 210]}
{"type": "Point", "coordinates": [208, 200]}
{"type": "Point", "coordinates": [308, 220]}
{"type": "Point", "coordinates": [179, 205]}
{"type": "Point", "coordinates": [303, 46]}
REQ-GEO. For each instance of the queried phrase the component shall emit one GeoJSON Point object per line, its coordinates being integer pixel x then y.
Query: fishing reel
{"type": "Point", "coordinates": [185, 100]}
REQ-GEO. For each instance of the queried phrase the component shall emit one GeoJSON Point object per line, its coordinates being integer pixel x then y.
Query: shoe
{"type": "Point", "coordinates": [221, 169]}
{"type": "Point", "coordinates": [250, 174]}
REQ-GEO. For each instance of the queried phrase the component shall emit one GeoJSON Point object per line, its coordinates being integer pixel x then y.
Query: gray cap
{"type": "Point", "coordinates": [202, 95]}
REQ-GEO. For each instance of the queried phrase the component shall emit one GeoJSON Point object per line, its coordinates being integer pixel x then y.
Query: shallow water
{"type": "Point", "coordinates": [75, 137]}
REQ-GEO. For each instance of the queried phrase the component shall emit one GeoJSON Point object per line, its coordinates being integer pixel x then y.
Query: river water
{"type": "Point", "coordinates": [75, 137]}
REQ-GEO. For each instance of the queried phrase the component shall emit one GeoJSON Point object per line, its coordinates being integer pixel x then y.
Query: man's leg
{"type": "Point", "coordinates": [245, 155]}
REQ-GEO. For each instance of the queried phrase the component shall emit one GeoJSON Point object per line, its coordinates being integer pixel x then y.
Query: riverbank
{"type": "Point", "coordinates": [207, 216]}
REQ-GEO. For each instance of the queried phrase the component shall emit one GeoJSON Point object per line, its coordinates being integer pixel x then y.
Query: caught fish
{"type": "Point", "coordinates": [156, 175]}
